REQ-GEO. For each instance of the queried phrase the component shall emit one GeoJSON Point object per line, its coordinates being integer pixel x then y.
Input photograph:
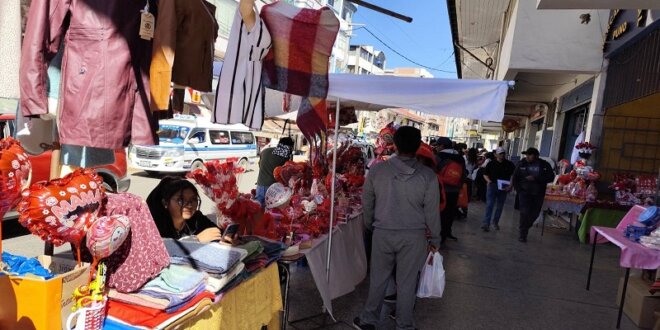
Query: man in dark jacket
{"type": "Point", "coordinates": [270, 159]}
{"type": "Point", "coordinates": [530, 179]}
{"type": "Point", "coordinates": [446, 155]}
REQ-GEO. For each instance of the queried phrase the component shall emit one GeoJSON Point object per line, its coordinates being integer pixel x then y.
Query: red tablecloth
{"type": "Point", "coordinates": [633, 254]}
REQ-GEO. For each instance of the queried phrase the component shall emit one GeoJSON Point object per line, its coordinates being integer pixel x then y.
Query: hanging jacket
{"type": "Point", "coordinates": [183, 48]}
{"type": "Point", "coordinates": [104, 93]}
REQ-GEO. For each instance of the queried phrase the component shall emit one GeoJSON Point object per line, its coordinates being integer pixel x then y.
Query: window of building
{"type": "Point", "coordinates": [346, 15]}
{"type": "Point", "coordinates": [219, 137]}
{"type": "Point", "coordinates": [242, 138]}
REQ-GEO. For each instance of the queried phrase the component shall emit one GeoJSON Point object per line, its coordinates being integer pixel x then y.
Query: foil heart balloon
{"type": "Point", "coordinates": [63, 209]}
{"type": "Point", "coordinates": [15, 170]}
{"type": "Point", "coordinates": [107, 234]}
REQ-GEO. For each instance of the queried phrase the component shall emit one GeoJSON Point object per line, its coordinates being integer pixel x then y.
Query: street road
{"type": "Point", "coordinates": [141, 185]}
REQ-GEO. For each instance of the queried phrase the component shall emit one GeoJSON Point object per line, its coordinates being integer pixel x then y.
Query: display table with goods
{"type": "Point", "coordinates": [570, 193]}
{"type": "Point", "coordinates": [297, 212]}
{"type": "Point", "coordinates": [639, 243]}
{"type": "Point", "coordinates": [135, 278]}
{"type": "Point", "coordinates": [601, 214]}
{"type": "Point", "coordinates": [630, 190]}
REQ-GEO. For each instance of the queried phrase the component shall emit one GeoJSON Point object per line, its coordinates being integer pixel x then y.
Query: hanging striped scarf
{"type": "Point", "coordinates": [298, 62]}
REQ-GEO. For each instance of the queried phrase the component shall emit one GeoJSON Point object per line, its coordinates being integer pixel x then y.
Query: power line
{"type": "Point", "coordinates": [404, 56]}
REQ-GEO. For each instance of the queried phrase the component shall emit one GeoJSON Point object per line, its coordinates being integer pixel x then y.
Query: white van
{"type": "Point", "coordinates": [186, 142]}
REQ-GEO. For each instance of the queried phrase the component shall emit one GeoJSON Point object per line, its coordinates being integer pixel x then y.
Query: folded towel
{"type": "Point", "coordinates": [215, 284]}
{"type": "Point", "coordinates": [213, 258]}
{"type": "Point", "coordinates": [253, 248]}
{"type": "Point", "coordinates": [176, 279]}
{"type": "Point", "coordinates": [173, 301]}
{"type": "Point", "coordinates": [271, 247]}
{"type": "Point", "coordinates": [138, 299]}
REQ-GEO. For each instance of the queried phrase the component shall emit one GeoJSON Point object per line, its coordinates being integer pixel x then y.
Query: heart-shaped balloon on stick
{"type": "Point", "coordinates": [62, 210]}
{"type": "Point", "coordinates": [15, 171]}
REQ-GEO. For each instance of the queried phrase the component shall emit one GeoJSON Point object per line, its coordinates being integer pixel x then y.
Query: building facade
{"type": "Point", "coordinates": [363, 59]}
{"type": "Point", "coordinates": [577, 73]}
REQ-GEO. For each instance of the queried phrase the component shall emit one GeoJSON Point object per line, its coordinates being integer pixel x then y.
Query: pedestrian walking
{"type": "Point", "coordinates": [269, 160]}
{"type": "Point", "coordinates": [499, 169]}
{"type": "Point", "coordinates": [451, 169]}
{"type": "Point", "coordinates": [530, 179]}
{"type": "Point", "coordinates": [401, 200]}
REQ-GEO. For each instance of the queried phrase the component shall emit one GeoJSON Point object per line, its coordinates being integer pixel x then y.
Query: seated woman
{"type": "Point", "coordinates": [174, 205]}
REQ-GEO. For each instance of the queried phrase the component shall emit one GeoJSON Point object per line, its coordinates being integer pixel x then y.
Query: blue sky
{"type": "Point", "coordinates": [427, 40]}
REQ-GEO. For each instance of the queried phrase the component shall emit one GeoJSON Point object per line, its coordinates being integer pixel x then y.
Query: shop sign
{"type": "Point", "coordinates": [622, 26]}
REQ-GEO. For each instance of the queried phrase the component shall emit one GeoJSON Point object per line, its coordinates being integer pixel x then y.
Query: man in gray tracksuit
{"type": "Point", "coordinates": [401, 200]}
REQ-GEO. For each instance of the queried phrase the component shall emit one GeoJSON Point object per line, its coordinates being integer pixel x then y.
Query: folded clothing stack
{"type": "Point", "coordinates": [169, 291]}
{"type": "Point", "coordinates": [213, 258]}
{"type": "Point", "coordinates": [144, 317]}
{"type": "Point", "coordinates": [271, 247]}
{"type": "Point", "coordinates": [221, 283]}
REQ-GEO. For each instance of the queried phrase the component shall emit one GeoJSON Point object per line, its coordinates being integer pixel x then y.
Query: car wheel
{"type": "Point", "coordinates": [244, 164]}
{"type": "Point", "coordinates": [198, 164]}
{"type": "Point", "coordinates": [109, 187]}
{"type": "Point", "coordinates": [152, 174]}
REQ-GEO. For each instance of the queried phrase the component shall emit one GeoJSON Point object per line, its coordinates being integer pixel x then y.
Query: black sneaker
{"type": "Point", "coordinates": [522, 240]}
{"type": "Point", "coordinates": [452, 237]}
{"type": "Point", "coordinates": [485, 228]}
{"type": "Point", "coordinates": [497, 227]}
{"type": "Point", "coordinates": [357, 324]}
{"type": "Point", "coordinates": [390, 299]}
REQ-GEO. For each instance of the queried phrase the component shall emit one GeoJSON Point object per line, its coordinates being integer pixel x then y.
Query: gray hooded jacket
{"type": "Point", "coordinates": [402, 194]}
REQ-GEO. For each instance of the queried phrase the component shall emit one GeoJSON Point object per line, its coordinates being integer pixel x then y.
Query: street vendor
{"type": "Point", "coordinates": [174, 205]}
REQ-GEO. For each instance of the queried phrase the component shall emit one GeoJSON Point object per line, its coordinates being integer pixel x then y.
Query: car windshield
{"type": "Point", "coordinates": [172, 133]}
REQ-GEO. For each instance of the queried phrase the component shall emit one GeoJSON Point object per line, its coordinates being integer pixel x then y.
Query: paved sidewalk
{"type": "Point", "coordinates": [496, 282]}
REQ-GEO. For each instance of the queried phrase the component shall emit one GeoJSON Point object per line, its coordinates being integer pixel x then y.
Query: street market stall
{"type": "Point", "coordinates": [135, 278]}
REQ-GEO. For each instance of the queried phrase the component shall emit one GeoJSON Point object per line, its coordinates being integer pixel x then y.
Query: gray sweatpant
{"type": "Point", "coordinates": [406, 250]}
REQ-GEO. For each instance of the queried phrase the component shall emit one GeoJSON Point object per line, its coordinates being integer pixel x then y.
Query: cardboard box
{"type": "Point", "coordinates": [640, 304]}
{"type": "Point", "coordinates": [35, 303]}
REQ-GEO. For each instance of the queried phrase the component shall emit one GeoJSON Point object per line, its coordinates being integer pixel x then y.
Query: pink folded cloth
{"type": "Point", "coordinates": [138, 299]}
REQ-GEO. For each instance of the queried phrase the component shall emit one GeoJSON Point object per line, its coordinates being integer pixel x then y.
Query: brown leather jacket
{"type": "Point", "coordinates": [183, 48]}
{"type": "Point", "coordinates": [104, 97]}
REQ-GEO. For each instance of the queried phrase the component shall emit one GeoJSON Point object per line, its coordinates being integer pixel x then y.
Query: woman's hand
{"type": "Point", "coordinates": [209, 235]}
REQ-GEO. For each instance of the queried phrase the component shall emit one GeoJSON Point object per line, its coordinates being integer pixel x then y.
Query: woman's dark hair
{"type": "Point", "coordinates": [287, 141]}
{"type": "Point", "coordinates": [490, 155]}
{"type": "Point", "coordinates": [164, 191]}
{"type": "Point", "coordinates": [472, 155]}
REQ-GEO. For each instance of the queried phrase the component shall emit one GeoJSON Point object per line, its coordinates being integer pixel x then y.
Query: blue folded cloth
{"type": "Point", "coordinates": [19, 265]}
{"type": "Point", "coordinates": [213, 258]}
{"type": "Point", "coordinates": [176, 279]}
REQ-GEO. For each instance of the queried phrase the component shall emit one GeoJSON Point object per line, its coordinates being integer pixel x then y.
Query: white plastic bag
{"type": "Point", "coordinates": [432, 281]}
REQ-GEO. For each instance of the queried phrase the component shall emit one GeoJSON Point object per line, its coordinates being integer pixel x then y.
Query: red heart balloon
{"type": "Point", "coordinates": [63, 209]}
{"type": "Point", "coordinates": [15, 169]}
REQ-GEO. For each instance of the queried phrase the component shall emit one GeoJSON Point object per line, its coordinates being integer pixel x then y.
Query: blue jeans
{"type": "Point", "coordinates": [494, 197]}
{"type": "Point", "coordinates": [261, 195]}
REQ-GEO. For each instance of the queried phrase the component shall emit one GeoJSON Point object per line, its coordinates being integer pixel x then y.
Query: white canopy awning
{"type": "Point", "coordinates": [472, 99]}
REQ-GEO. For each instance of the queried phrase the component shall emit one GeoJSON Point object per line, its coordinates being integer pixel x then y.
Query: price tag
{"type": "Point", "coordinates": [147, 22]}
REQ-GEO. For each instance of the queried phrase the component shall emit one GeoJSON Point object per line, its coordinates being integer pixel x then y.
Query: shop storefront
{"type": "Point", "coordinates": [573, 117]}
{"type": "Point", "coordinates": [631, 101]}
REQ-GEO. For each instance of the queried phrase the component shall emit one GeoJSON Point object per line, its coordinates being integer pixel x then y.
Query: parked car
{"type": "Point", "coordinates": [187, 142]}
{"type": "Point", "coordinates": [115, 176]}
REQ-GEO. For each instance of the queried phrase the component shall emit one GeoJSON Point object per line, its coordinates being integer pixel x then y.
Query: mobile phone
{"type": "Point", "coordinates": [230, 231]}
